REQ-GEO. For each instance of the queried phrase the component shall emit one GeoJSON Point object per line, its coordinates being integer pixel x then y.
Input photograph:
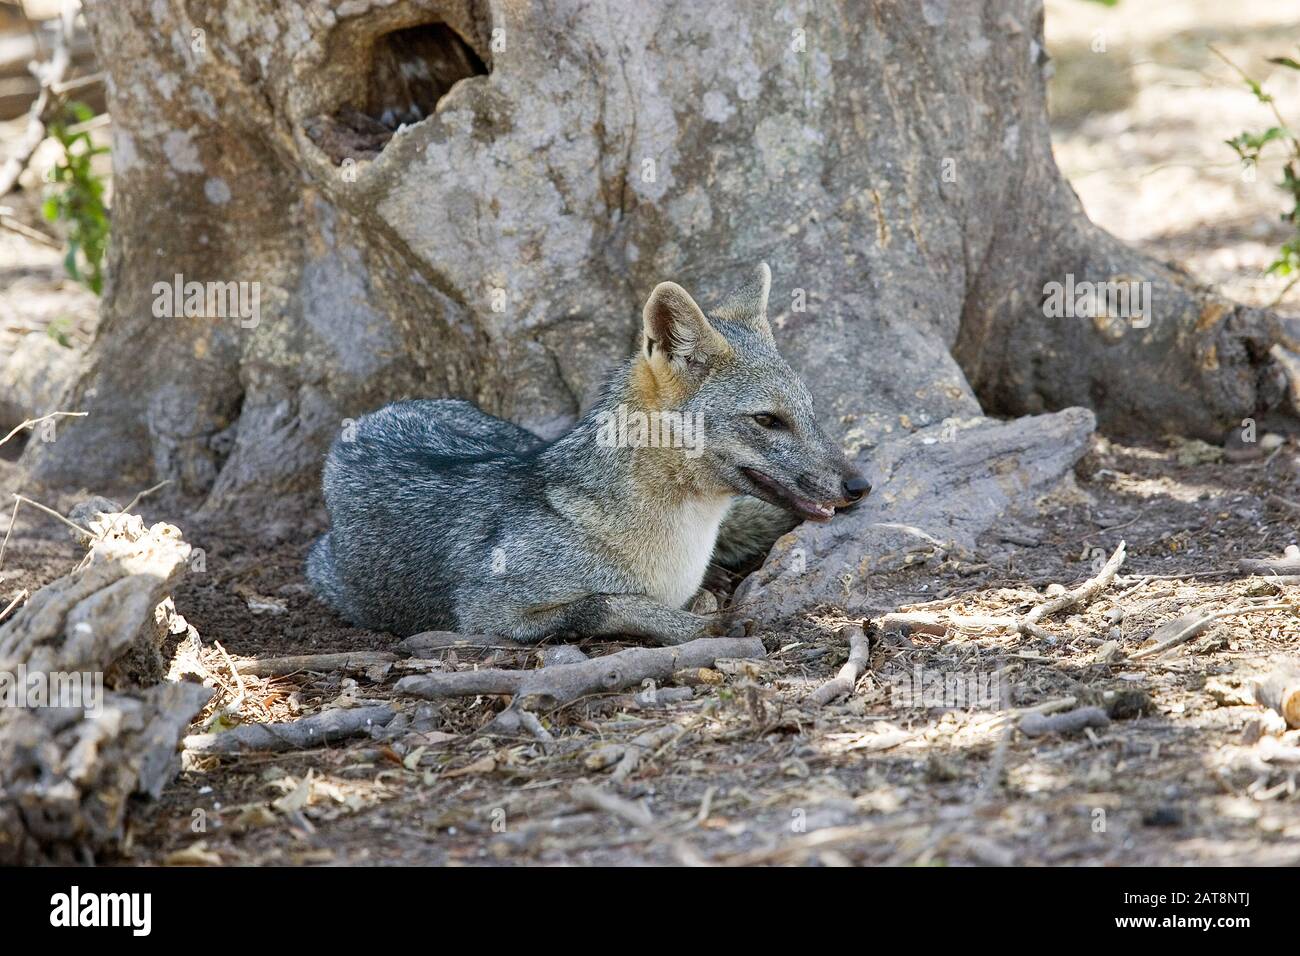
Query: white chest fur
{"type": "Point", "coordinates": [674, 548]}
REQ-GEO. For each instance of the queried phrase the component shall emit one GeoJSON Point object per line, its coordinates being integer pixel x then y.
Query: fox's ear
{"type": "Point", "coordinates": [677, 332]}
{"type": "Point", "coordinates": [747, 305]}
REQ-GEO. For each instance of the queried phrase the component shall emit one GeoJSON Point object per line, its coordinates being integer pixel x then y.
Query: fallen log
{"type": "Point", "coordinates": [107, 726]}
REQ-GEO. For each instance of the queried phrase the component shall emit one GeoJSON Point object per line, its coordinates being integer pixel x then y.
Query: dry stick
{"type": "Point", "coordinates": [642, 744]}
{"type": "Point", "coordinates": [54, 514]}
{"type": "Point", "coordinates": [1197, 626]}
{"type": "Point", "coordinates": [10, 530]}
{"type": "Point", "coordinates": [148, 491]}
{"type": "Point", "coordinates": [238, 702]}
{"type": "Point", "coordinates": [36, 421]}
{"type": "Point", "coordinates": [565, 683]}
{"type": "Point", "coordinates": [324, 663]}
{"type": "Point", "coordinates": [1072, 721]}
{"type": "Point", "coordinates": [847, 678]}
{"type": "Point", "coordinates": [26, 231]}
{"type": "Point", "coordinates": [14, 603]}
{"type": "Point", "coordinates": [451, 640]}
{"type": "Point", "coordinates": [515, 718]}
{"type": "Point", "coordinates": [312, 731]}
{"type": "Point", "coordinates": [938, 623]}
{"type": "Point", "coordinates": [1289, 563]}
{"type": "Point", "coordinates": [1082, 594]}
{"type": "Point", "coordinates": [1279, 500]}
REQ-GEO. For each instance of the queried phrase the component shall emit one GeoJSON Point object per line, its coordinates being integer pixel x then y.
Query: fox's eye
{"type": "Point", "coordinates": [768, 420]}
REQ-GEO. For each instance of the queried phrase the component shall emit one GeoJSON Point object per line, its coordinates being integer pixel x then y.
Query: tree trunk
{"type": "Point", "coordinates": [890, 160]}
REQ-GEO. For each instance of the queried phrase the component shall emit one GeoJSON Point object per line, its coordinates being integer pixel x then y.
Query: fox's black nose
{"type": "Point", "coordinates": [855, 487]}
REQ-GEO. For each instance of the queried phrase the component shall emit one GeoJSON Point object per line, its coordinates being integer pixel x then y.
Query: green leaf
{"type": "Point", "coordinates": [1285, 61]}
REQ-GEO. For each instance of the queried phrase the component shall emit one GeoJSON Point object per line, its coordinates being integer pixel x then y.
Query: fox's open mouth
{"type": "Point", "coordinates": [778, 494]}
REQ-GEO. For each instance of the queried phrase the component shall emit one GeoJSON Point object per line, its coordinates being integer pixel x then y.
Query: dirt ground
{"type": "Point", "coordinates": [750, 773]}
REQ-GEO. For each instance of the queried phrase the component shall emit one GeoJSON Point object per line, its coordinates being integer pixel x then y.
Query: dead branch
{"type": "Point", "coordinates": [514, 719]}
{"type": "Point", "coordinates": [565, 683]}
{"type": "Point", "coordinates": [1084, 593]}
{"type": "Point", "coordinates": [628, 756]}
{"type": "Point", "coordinates": [321, 663]}
{"type": "Point", "coordinates": [1070, 722]}
{"type": "Point", "coordinates": [314, 731]}
{"type": "Point", "coordinates": [1192, 629]}
{"type": "Point", "coordinates": [938, 623]}
{"type": "Point", "coordinates": [847, 678]}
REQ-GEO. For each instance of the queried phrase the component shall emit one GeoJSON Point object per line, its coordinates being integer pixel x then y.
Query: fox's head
{"type": "Point", "coordinates": [760, 435]}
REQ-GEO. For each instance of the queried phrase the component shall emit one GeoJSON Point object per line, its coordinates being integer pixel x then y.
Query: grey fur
{"type": "Point", "coordinates": [444, 517]}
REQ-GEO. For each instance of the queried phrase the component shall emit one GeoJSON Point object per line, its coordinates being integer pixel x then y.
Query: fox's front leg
{"type": "Point", "coordinates": [604, 615]}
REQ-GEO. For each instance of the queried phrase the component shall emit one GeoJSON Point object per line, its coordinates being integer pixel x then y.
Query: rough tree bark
{"type": "Point", "coordinates": [890, 160]}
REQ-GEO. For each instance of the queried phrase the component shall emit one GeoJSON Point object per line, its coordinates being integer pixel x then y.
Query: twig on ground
{"type": "Point", "coordinates": [148, 491]}
{"type": "Point", "coordinates": [234, 706]}
{"type": "Point", "coordinates": [309, 732]}
{"type": "Point", "coordinates": [1070, 722]}
{"type": "Point", "coordinates": [325, 663]}
{"type": "Point", "coordinates": [847, 678]}
{"type": "Point", "coordinates": [53, 514]}
{"type": "Point", "coordinates": [1084, 592]}
{"type": "Point", "coordinates": [1200, 624]}
{"type": "Point", "coordinates": [419, 644]}
{"type": "Point", "coordinates": [1289, 563]}
{"type": "Point", "coordinates": [1281, 502]}
{"type": "Point", "coordinates": [565, 683]}
{"type": "Point", "coordinates": [515, 718]}
{"type": "Point", "coordinates": [939, 622]}
{"type": "Point", "coordinates": [13, 517]}
{"type": "Point", "coordinates": [629, 756]}
{"type": "Point", "coordinates": [14, 603]}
